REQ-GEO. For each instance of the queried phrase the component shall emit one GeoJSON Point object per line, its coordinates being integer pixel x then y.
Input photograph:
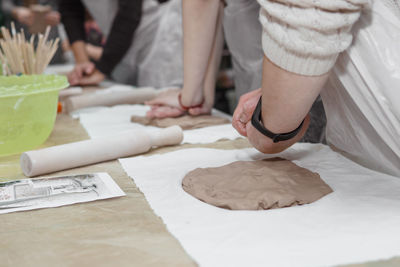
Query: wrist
{"type": "Point", "coordinates": [79, 50]}
{"type": "Point", "coordinates": [190, 98]}
{"type": "Point", "coordinates": [187, 107]}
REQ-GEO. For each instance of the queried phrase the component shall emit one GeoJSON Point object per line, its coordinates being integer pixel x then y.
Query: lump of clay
{"type": "Point", "coordinates": [254, 185]}
{"type": "Point", "coordinates": [186, 122]}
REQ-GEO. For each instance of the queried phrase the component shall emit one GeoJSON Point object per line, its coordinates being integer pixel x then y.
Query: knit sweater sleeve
{"type": "Point", "coordinates": [306, 36]}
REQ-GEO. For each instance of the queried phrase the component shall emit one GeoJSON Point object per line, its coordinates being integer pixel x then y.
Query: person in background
{"type": "Point", "coordinates": [205, 25]}
{"type": "Point", "coordinates": [142, 38]}
{"type": "Point", "coordinates": [21, 14]}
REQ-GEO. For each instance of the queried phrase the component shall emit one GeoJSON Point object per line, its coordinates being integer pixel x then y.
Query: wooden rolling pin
{"type": "Point", "coordinates": [112, 98]}
{"type": "Point", "coordinates": [70, 92]}
{"type": "Point", "coordinates": [92, 151]}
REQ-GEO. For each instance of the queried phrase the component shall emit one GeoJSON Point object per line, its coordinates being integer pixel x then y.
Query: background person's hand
{"type": "Point", "coordinates": [23, 15]}
{"type": "Point", "coordinates": [205, 108]}
{"type": "Point", "coordinates": [95, 78]}
{"type": "Point", "coordinates": [85, 73]}
{"type": "Point", "coordinates": [244, 110]}
{"type": "Point", "coordinates": [52, 18]}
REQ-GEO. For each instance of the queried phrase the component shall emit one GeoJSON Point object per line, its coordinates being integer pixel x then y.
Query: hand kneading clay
{"type": "Point", "coordinates": [186, 122]}
{"type": "Point", "coordinates": [255, 185]}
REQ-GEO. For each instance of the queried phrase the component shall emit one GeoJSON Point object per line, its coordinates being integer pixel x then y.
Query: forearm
{"type": "Point", "coordinates": [214, 62]}
{"type": "Point", "coordinates": [199, 28]}
{"type": "Point", "coordinates": [287, 97]}
{"type": "Point", "coordinates": [286, 100]}
{"type": "Point", "coordinates": [79, 50]}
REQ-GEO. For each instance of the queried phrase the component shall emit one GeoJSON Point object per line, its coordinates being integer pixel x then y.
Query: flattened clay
{"type": "Point", "coordinates": [254, 185]}
{"type": "Point", "coordinates": [186, 122]}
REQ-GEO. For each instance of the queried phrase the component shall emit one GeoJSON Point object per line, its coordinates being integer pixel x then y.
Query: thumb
{"type": "Point", "coordinates": [248, 108]}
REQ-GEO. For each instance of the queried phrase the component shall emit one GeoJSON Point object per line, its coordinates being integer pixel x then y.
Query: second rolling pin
{"type": "Point", "coordinates": [110, 98]}
{"type": "Point", "coordinates": [92, 151]}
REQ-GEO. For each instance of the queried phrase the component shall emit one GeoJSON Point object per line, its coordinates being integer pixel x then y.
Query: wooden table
{"type": "Point", "coordinates": [114, 232]}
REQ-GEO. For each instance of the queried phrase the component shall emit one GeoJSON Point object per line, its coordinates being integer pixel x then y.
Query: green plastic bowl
{"type": "Point", "coordinates": [28, 109]}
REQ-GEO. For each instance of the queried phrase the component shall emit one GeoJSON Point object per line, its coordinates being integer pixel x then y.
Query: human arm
{"type": "Point", "coordinates": [286, 100]}
{"type": "Point", "coordinates": [118, 42]}
{"type": "Point", "coordinates": [73, 18]}
{"type": "Point", "coordinates": [121, 35]}
{"type": "Point", "coordinates": [212, 69]}
{"type": "Point", "coordinates": [299, 52]}
{"type": "Point", "coordinates": [202, 40]}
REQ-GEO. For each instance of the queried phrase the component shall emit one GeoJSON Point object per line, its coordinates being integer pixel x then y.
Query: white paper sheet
{"type": "Point", "coordinates": [38, 193]}
{"type": "Point", "coordinates": [358, 222]}
{"type": "Point", "coordinates": [106, 121]}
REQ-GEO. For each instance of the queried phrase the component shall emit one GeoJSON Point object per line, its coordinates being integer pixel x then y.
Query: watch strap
{"type": "Point", "coordinates": [256, 121]}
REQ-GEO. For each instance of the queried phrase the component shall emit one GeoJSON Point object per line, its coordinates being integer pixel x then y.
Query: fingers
{"type": "Point", "coordinates": [77, 71]}
{"type": "Point", "coordinates": [82, 69]}
{"type": "Point", "coordinates": [164, 112]}
{"type": "Point", "coordinates": [166, 98]}
{"type": "Point", "coordinates": [244, 110]}
{"type": "Point", "coordinates": [88, 81]}
{"type": "Point", "coordinates": [82, 74]}
{"type": "Point", "coordinates": [248, 109]}
{"type": "Point", "coordinates": [73, 78]}
{"type": "Point", "coordinates": [199, 111]}
{"type": "Point", "coordinates": [93, 79]}
{"type": "Point", "coordinates": [89, 69]}
{"type": "Point", "coordinates": [240, 127]}
{"type": "Point", "coordinates": [156, 101]}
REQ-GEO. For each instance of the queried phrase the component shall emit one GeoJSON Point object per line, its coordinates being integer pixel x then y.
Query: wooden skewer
{"type": "Point", "coordinates": [19, 55]}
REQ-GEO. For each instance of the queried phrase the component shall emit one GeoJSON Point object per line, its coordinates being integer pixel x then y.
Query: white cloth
{"type": "Point", "coordinates": [358, 222]}
{"type": "Point", "coordinates": [106, 121]}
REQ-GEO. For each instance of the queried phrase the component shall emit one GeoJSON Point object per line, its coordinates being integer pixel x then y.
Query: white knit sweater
{"type": "Point", "coordinates": [306, 36]}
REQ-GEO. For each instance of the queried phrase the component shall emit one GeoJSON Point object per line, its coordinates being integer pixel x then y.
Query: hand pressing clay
{"type": "Point", "coordinates": [255, 185]}
{"type": "Point", "coordinates": [186, 122]}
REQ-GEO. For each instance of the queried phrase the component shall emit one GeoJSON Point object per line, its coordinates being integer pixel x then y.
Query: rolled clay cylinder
{"type": "Point", "coordinates": [92, 151]}
{"type": "Point", "coordinates": [112, 98]}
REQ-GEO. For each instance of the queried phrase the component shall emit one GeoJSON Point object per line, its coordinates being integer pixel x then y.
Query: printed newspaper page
{"type": "Point", "coordinates": [29, 194]}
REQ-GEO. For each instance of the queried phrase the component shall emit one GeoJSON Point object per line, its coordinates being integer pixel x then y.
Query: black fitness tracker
{"type": "Point", "coordinates": [256, 121]}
